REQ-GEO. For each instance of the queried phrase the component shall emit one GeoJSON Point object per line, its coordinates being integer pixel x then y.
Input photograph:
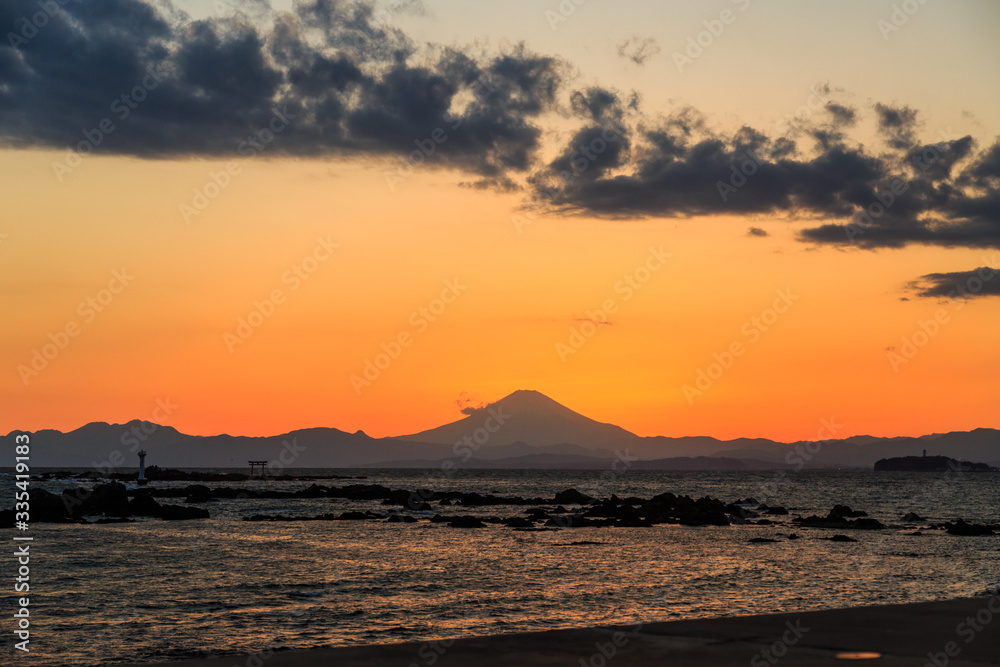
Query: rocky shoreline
{"type": "Point", "coordinates": [115, 503]}
{"type": "Point", "coordinates": [157, 474]}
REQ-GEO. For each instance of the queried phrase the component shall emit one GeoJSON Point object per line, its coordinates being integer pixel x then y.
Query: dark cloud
{"type": "Point", "coordinates": [680, 167]}
{"type": "Point", "coordinates": [986, 172]}
{"type": "Point", "coordinates": [980, 282]}
{"type": "Point", "coordinates": [898, 125]}
{"type": "Point", "coordinates": [842, 115]}
{"type": "Point", "coordinates": [756, 231]}
{"type": "Point", "coordinates": [942, 193]}
{"type": "Point", "coordinates": [938, 194]}
{"type": "Point", "coordinates": [638, 49]}
{"type": "Point", "coordinates": [352, 83]}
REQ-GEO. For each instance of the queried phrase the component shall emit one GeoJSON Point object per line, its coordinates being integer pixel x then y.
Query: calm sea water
{"type": "Point", "coordinates": [156, 590]}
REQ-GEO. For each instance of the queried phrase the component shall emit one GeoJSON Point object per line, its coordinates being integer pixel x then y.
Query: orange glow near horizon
{"type": "Point", "coordinates": [520, 295]}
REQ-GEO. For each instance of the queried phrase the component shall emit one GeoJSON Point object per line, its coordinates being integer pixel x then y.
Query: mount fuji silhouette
{"type": "Point", "coordinates": [529, 417]}
{"type": "Point", "coordinates": [525, 429]}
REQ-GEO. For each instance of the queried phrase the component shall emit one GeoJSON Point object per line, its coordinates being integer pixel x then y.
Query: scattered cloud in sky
{"type": "Point", "coordinates": [638, 49]}
{"type": "Point", "coordinates": [942, 192]}
{"type": "Point", "coordinates": [468, 404]}
{"type": "Point", "coordinates": [352, 84]}
{"type": "Point", "coordinates": [756, 231]}
{"type": "Point", "coordinates": [843, 115]}
{"type": "Point", "coordinates": [898, 125]}
{"type": "Point", "coordinates": [984, 281]}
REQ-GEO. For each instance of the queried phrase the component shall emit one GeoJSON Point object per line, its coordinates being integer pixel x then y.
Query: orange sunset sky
{"type": "Point", "coordinates": [322, 218]}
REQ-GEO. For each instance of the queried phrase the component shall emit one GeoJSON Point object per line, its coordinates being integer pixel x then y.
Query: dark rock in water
{"type": "Point", "coordinates": [777, 510]}
{"type": "Point", "coordinates": [560, 510]}
{"type": "Point", "coordinates": [481, 500]}
{"type": "Point", "coordinates": [633, 522]}
{"type": "Point", "coordinates": [312, 491]}
{"type": "Point", "coordinates": [117, 519]}
{"type": "Point", "coordinates": [143, 505]}
{"type": "Point", "coordinates": [466, 522]}
{"type": "Point", "coordinates": [737, 511]}
{"type": "Point", "coordinates": [353, 516]}
{"type": "Point", "coordinates": [765, 522]}
{"type": "Point", "coordinates": [577, 521]}
{"type": "Point", "coordinates": [361, 492]}
{"type": "Point", "coordinates": [109, 499]}
{"type": "Point", "coordinates": [518, 522]}
{"type": "Point", "coordinates": [440, 518]}
{"type": "Point", "coordinates": [846, 512]}
{"type": "Point", "coordinates": [964, 529]}
{"type": "Point", "coordinates": [748, 501]}
{"type": "Point", "coordinates": [814, 521]}
{"type": "Point", "coordinates": [196, 493]}
{"type": "Point", "coordinates": [838, 522]}
{"type": "Point", "coordinates": [182, 513]}
{"type": "Point", "coordinates": [48, 507]}
{"type": "Point", "coordinates": [915, 533]}
{"type": "Point", "coordinates": [445, 503]}
{"type": "Point", "coordinates": [668, 508]}
{"type": "Point", "coordinates": [611, 508]}
{"type": "Point", "coordinates": [401, 497]}
{"type": "Point", "coordinates": [409, 499]}
{"type": "Point", "coordinates": [911, 517]}
{"type": "Point", "coordinates": [761, 540]}
{"type": "Point", "coordinates": [155, 473]}
{"type": "Point", "coordinates": [705, 512]}
{"type": "Point", "coordinates": [401, 518]}
{"type": "Point", "coordinates": [793, 536]}
{"type": "Point", "coordinates": [571, 497]}
{"type": "Point", "coordinates": [841, 538]}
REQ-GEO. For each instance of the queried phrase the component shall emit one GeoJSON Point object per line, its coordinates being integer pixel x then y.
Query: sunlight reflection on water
{"type": "Point", "coordinates": [158, 590]}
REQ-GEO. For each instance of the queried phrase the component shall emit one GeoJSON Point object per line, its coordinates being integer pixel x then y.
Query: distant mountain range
{"type": "Point", "coordinates": [523, 430]}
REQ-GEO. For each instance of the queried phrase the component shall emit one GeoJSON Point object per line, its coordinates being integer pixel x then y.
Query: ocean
{"type": "Point", "coordinates": [155, 590]}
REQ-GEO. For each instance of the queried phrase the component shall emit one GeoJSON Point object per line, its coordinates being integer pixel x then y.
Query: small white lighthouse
{"type": "Point", "coordinates": [142, 467]}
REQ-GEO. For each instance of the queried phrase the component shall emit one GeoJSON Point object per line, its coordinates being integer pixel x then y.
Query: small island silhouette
{"type": "Point", "coordinates": [929, 464]}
